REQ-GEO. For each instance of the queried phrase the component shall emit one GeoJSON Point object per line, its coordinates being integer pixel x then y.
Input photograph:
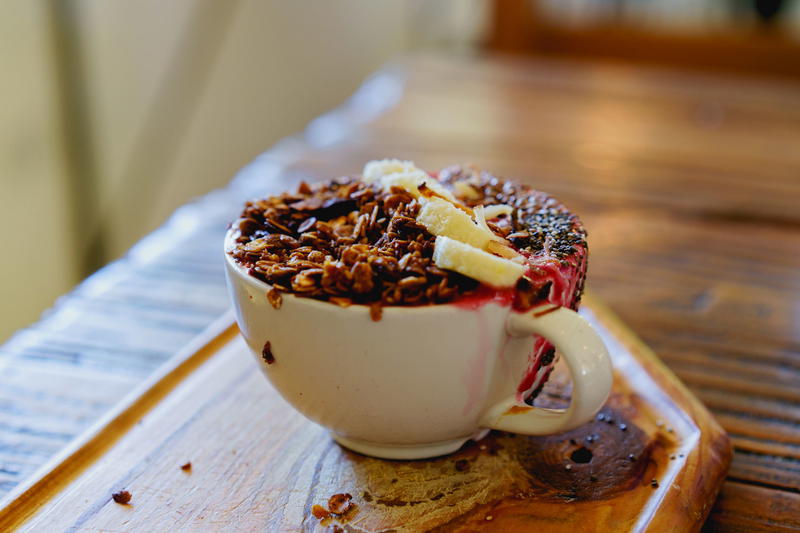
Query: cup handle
{"type": "Point", "coordinates": [588, 362]}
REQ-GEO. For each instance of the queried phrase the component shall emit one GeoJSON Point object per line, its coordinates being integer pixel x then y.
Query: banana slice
{"type": "Point", "coordinates": [412, 181]}
{"type": "Point", "coordinates": [476, 264]}
{"type": "Point", "coordinates": [466, 191]}
{"type": "Point", "coordinates": [404, 174]}
{"type": "Point", "coordinates": [374, 170]}
{"type": "Point", "coordinates": [443, 218]}
{"type": "Point", "coordinates": [462, 235]}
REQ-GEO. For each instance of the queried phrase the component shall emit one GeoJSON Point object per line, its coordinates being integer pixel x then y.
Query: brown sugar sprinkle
{"type": "Point", "coordinates": [122, 497]}
{"type": "Point", "coordinates": [347, 241]}
{"type": "Point", "coordinates": [339, 503]}
{"type": "Point", "coordinates": [186, 466]}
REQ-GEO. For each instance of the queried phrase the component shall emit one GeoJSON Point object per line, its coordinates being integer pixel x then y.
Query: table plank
{"type": "Point", "coordinates": [740, 509]}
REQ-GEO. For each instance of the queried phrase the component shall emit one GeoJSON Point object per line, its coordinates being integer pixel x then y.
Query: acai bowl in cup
{"type": "Point", "coordinates": [401, 369]}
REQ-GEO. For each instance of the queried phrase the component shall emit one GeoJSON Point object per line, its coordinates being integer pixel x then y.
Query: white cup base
{"type": "Point", "coordinates": [400, 451]}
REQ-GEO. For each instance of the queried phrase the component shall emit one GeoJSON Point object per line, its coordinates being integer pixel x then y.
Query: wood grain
{"type": "Point", "coordinates": [258, 465]}
{"type": "Point", "coordinates": [687, 183]}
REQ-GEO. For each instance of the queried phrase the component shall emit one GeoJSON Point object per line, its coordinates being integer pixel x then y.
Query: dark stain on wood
{"type": "Point", "coordinates": [598, 456]}
{"type": "Point", "coordinates": [581, 455]}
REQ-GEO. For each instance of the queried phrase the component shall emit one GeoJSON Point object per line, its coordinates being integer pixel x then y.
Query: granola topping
{"type": "Point", "coordinates": [355, 240]}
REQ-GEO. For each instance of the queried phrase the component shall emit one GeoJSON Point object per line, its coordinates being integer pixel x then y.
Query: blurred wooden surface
{"type": "Point", "coordinates": [689, 186]}
{"type": "Point", "coordinates": [260, 466]}
{"type": "Point", "coordinates": [518, 26]}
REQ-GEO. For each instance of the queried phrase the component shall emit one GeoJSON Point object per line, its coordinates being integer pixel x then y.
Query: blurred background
{"type": "Point", "coordinates": [115, 113]}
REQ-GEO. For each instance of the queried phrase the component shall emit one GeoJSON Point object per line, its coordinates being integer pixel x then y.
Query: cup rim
{"type": "Point", "coordinates": [263, 286]}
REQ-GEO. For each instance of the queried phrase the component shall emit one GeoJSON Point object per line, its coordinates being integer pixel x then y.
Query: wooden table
{"type": "Point", "coordinates": [689, 185]}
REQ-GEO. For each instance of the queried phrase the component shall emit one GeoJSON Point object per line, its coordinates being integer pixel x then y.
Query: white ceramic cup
{"type": "Point", "coordinates": [421, 381]}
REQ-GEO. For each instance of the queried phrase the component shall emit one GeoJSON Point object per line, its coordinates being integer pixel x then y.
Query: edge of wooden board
{"type": "Point", "coordinates": [683, 513]}
{"type": "Point", "coordinates": [713, 448]}
{"type": "Point", "coordinates": [26, 499]}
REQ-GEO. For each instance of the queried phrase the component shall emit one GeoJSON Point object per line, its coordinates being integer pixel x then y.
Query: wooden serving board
{"type": "Point", "coordinates": [257, 465]}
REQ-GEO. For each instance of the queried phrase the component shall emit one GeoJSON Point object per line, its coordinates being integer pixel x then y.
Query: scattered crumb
{"type": "Point", "coordinates": [339, 503]}
{"type": "Point", "coordinates": [319, 512]}
{"type": "Point", "coordinates": [654, 483]}
{"type": "Point", "coordinates": [462, 465]}
{"type": "Point", "coordinates": [122, 497]}
{"type": "Point", "coordinates": [186, 467]}
{"type": "Point", "coordinates": [304, 188]}
{"type": "Point", "coordinates": [568, 467]}
{"type": "Point", "coordinates": [275, 299]}
{"type": "Point", "coordinates": [266, 353]}
{"type": "Point", "coordinates": [623, 427]}
{"type": "Point", "coordinates": [376, 311]}
{"type": "Point", "coordinates": [340, 508]}
{"type": "Point", "coordinates": [489, 517]}
{"type": "Point", "coordinates": [631, 457]}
